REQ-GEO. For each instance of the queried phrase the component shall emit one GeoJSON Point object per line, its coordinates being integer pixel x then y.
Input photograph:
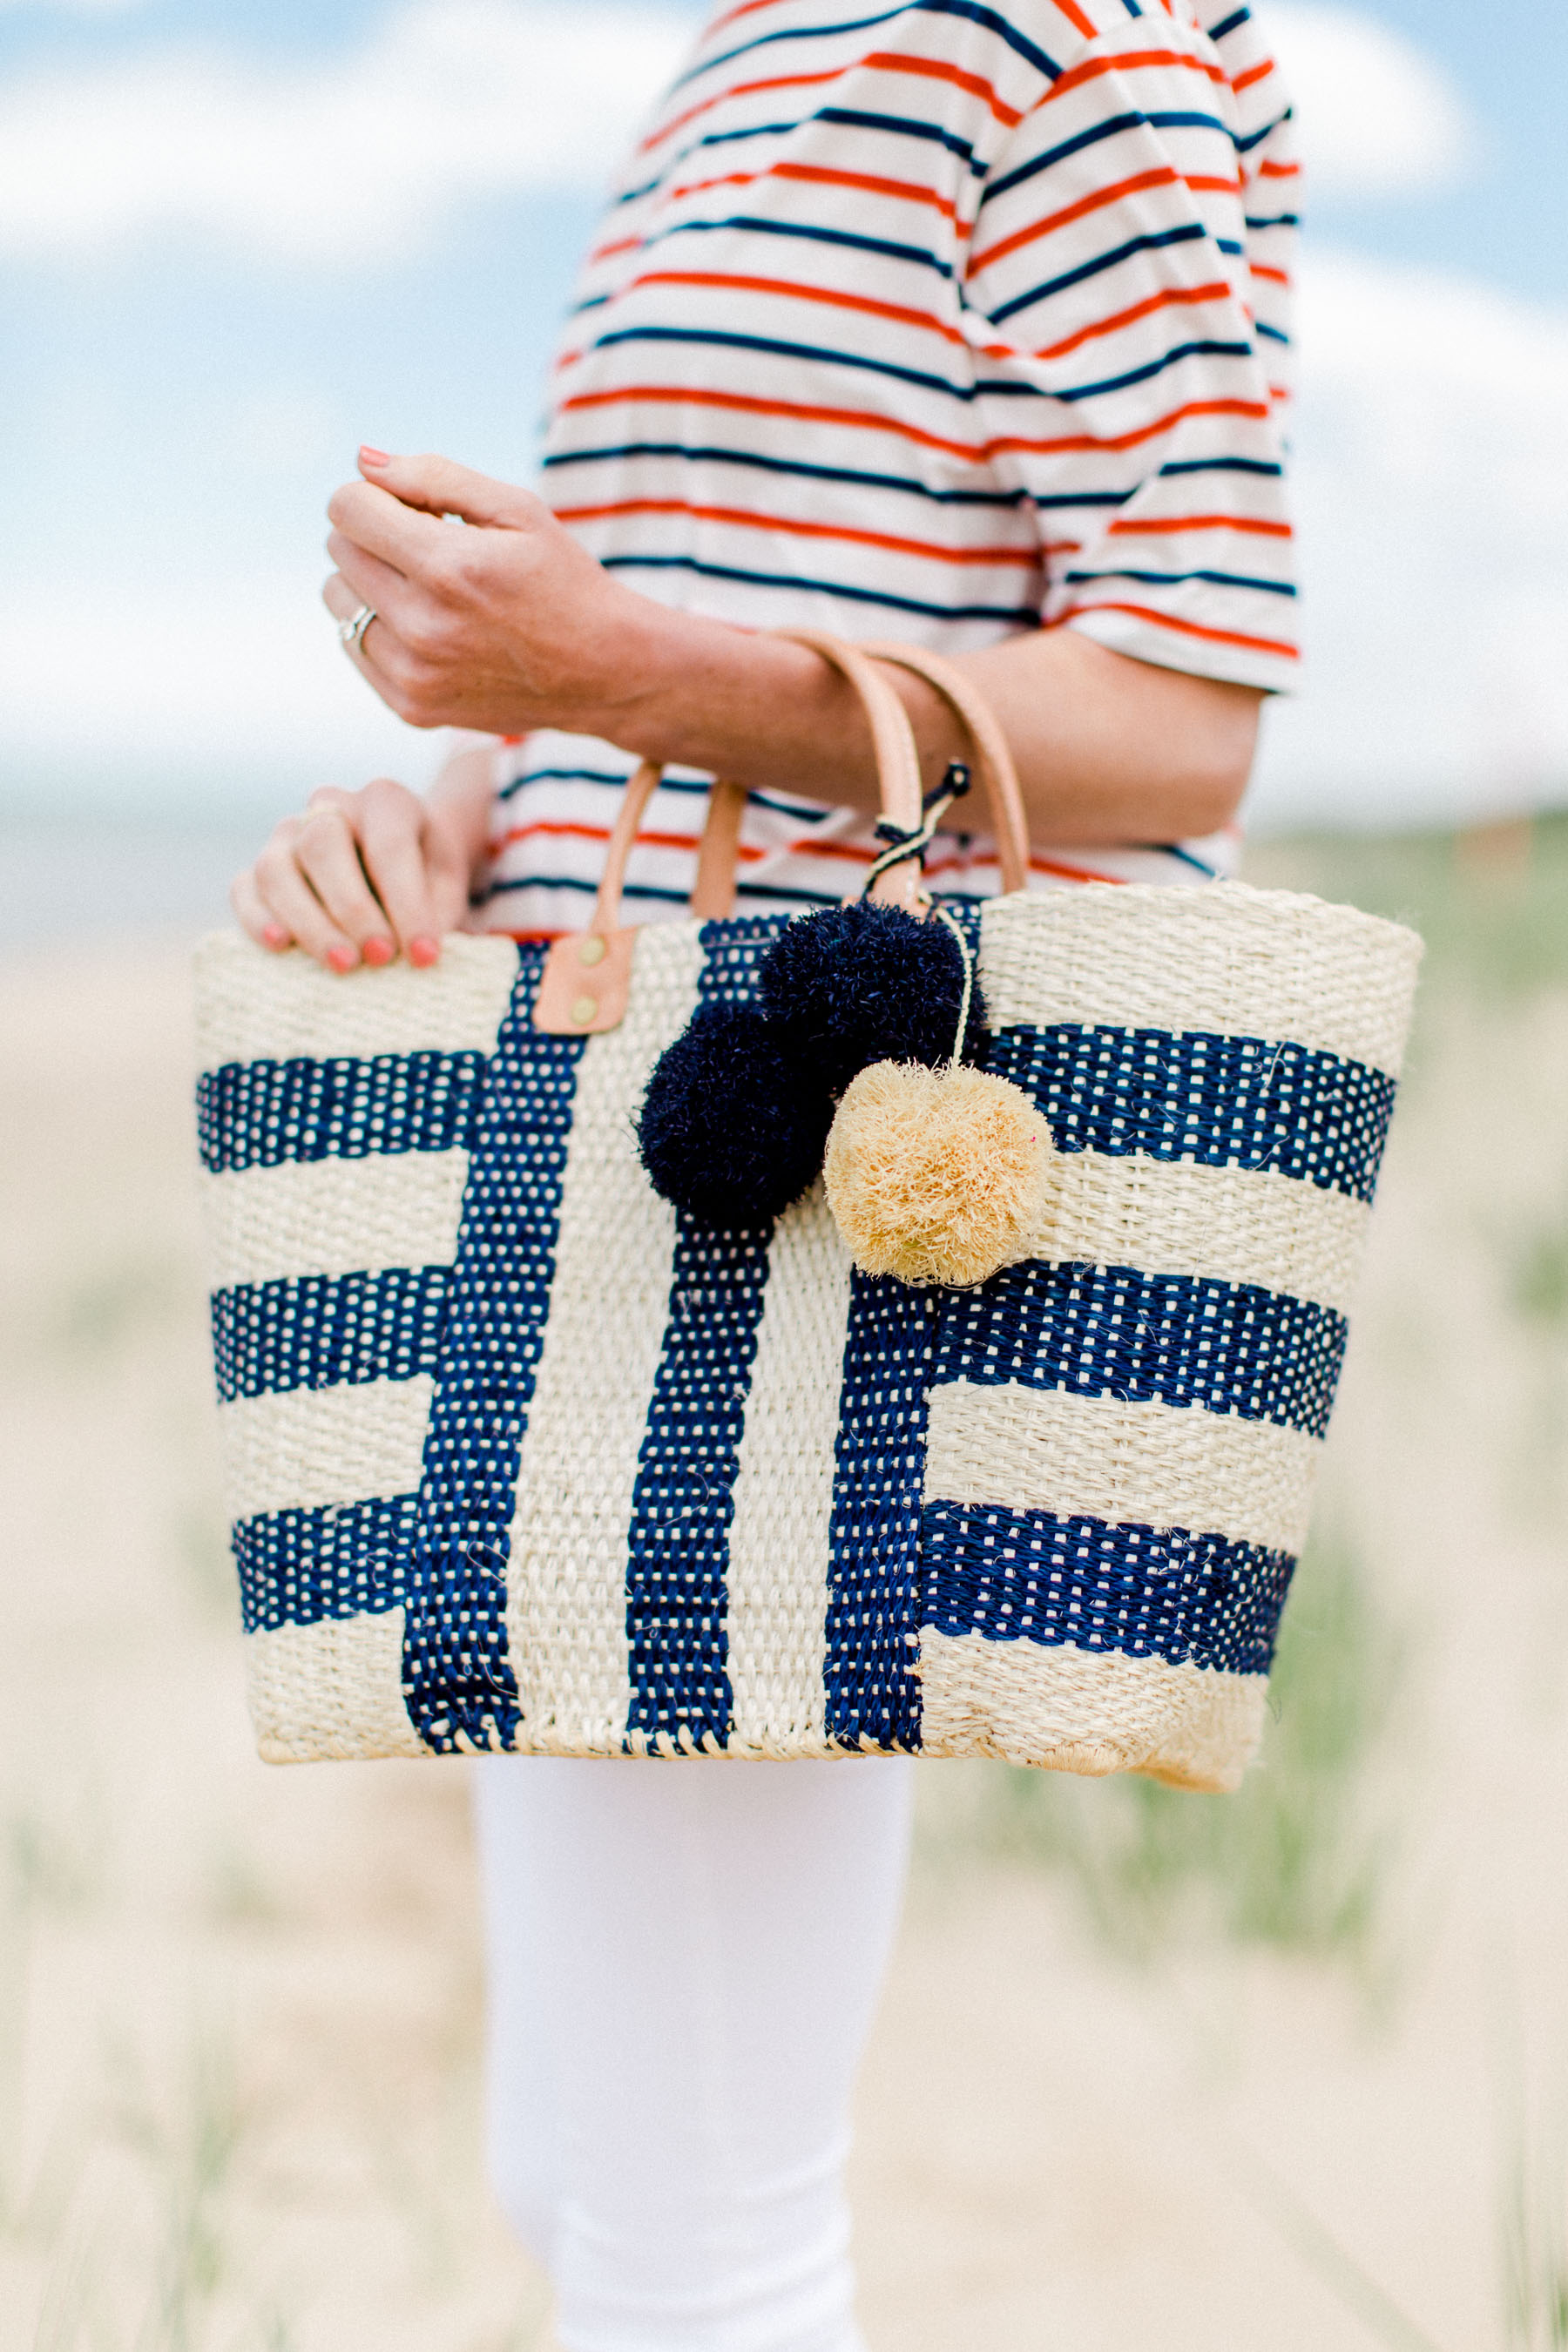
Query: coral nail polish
{"type": "Point", "coordinates": [424, 952]}
{"type": "Point", "coordinates": [274, 936]}
{"type": "Point", "coordinates": [377, 950]}
{"type": "Point", "coordinates": [341, 959]}
{"type": "Point", "coordinates": [369, 457]}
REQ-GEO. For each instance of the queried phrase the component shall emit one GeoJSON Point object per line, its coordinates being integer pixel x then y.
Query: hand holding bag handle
{"type": "Point", "coordinates": [586, 981]}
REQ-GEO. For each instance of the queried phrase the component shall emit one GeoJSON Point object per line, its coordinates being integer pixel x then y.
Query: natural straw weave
{"type": "Point", "coordinates": [519, 1458]}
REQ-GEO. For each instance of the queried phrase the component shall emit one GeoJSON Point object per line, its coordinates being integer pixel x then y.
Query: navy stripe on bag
{"type": "Point", "coordinates": [1192, 1600]}
{"type": "Point", "coordinates": [459, 1682]}
{"type": "Point", "coordinates": [261, 1114]}
{"type": "Point", "coordinates": [318, 1331]}
{"type": "Point", "coordinates": [1224, 1102]}
{"type": "Point", "coordinates": [1175, 1339]}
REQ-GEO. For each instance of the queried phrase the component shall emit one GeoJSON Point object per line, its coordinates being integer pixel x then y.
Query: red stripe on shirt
{"type": "Point", "coordinates": [557, 830]}
{"type": "Point", "coordinates": [803, 412]}
{"type": "Point", "coordinates": [1124, 529]}
{"type": "Point", "coordinates": [874, 60]}
{"type": "Point", "coordinates": [1186, 628]}
{"type": "Point", "coordinates": [1071, 873]}
{"type": "Point", "coordinates": [747, 8]}
{"type": "Point", "coordinates": [789, 288]}
{"type": "Point", "coordinates": [748, 404]}
{"type": "Point", "coordinates": [1164, 175]}
{"type": "Point", "coordinates": [1130, 61]}
{"type": "Point", "coordinates": [904, 191]}
{"type": "Point", "coordinates": [1077, 20]}
{"type": "Point", "coordinates": [745, 518]}
{"type": "Point", "coordinates": [736, 90]}
{"type": "Point", "coordinates": [893, 61]}
{"type": "Point", "coordinates": [1221, 291]}
{"type": "Point", "coordinates": [1134, 440]}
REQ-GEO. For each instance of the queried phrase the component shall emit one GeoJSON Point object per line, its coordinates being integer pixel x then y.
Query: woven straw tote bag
{"type": "Point", "coordinates": [519, 1457]}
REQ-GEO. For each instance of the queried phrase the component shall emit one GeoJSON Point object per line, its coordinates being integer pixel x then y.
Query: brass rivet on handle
{"type": "Point", "coordinates": [583, 1010]}
{"type": "Point", "coordinates": [592, 948]}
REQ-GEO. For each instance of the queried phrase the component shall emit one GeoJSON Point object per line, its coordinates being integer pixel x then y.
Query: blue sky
{"type": "Point", "coordinates": [191, 347]}
{"type": "Point", "coordinates": [1505, 219]}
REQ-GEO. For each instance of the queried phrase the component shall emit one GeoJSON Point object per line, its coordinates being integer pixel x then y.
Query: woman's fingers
{"type": "Point", "coordinates": [254, 916]}
{"type": "Point", "coordinates": [389, 821]}
{"type": "Point", "coordinates": [326, 852]}
{"type": "Point", "coordinates": [342, 601]}
{"type": "Point", "coordinates": [292, 904]}
{"type": "Point", "coordinates": [381, 657]}
{"type": "Point", "coordinates": [385, 527]}
{"type": "Point", "coordinates": [371, 581]}
{"type": "Point", "coordinates": [359, 876]}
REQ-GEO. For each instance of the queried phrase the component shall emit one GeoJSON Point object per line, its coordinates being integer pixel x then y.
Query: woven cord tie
{"type": "Point", "coordinates": [913, 841]}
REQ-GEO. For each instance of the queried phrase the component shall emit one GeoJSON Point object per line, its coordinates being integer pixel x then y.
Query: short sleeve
{"type": "Point", "coordinates": [1128, 298]}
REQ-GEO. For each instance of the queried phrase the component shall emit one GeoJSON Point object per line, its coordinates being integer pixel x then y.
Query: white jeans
{"type": "Point", "coordinates": [684, 1959]}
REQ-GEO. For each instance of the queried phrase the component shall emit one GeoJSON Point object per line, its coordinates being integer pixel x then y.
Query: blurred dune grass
{"type": "Point", "coordinates": [1284, 2070]}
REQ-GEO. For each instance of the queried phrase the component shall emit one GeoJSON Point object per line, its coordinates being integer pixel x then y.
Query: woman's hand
{"type": "Point", "coordinates": [364, 876]}
{"type": "Point", "coordinates": [501, 622]}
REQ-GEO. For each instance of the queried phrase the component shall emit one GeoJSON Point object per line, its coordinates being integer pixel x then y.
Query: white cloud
{"type": "Point", "coordinates": [1432, 486]}
{"type": "Point", "coordinates": [340, 161]}
{"type": "Point", "coordinates": [1378, 115]}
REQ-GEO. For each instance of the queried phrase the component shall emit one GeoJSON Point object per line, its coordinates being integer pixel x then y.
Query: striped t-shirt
{"type": "Point", "coordinates": [941, 321]}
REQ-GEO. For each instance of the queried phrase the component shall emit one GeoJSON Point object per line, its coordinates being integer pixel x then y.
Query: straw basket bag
{"type": "Point", "coordinates": [520, 1457]}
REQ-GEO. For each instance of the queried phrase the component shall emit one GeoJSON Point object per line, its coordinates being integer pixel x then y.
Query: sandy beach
{"type": "Point", "coordinates": [1291, 2081]}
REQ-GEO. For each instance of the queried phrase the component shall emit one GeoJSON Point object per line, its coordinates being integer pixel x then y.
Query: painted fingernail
{"type": "Point", "coordinates": [424, 952]}
{"type": "Point", "coordinates": [376, 951]}
{"type": "Point", "coordinates": [369, 457]}
{"type": "Point", "coordinates": [341, 959]}
{"type": "Point", "coordinates": [274, 936]}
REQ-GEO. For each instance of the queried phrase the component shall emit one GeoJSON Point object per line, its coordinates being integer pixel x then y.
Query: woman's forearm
{"type": "Point", "coordinates": [1107, 748]}
{"type": "Point", "coordinates": [506, 622]}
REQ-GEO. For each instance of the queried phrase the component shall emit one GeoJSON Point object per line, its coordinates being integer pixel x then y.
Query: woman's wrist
{"type": "Point", "coordinates": [703, 694]}
{"type": "Point", "coordinates": [458, 801]}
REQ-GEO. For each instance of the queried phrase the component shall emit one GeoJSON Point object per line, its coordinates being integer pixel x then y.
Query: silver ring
{"type": "Point", "coordinates": [350, 633]}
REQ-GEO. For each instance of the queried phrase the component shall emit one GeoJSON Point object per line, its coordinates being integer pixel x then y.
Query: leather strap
{"type": "Point", "coordinates": [897, 760]}
{"type": "Point", "coordinates": [719, 853]}
{"type": "Point", "coordinates": [586, 984]}
{"type": "Point", "coordinates": [992, 756]}
{"type": "Point", "coordinates": [641, 786]}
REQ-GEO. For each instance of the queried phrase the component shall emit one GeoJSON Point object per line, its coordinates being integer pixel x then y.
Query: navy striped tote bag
{"type": "Point", "coordinates": [520, 1457]}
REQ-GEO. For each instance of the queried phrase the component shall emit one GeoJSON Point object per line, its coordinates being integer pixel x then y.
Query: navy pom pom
{"type": "Point", "coordinates": [731, 1127]}
{"type": "Point", "coordinates": [868, 983]}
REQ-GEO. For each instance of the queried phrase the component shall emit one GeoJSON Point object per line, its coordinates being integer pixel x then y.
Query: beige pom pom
{"type": "Point", "coordinates": [937, 1175]}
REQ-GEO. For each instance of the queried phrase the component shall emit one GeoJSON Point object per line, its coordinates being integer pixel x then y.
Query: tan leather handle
{"type": "Point", "coordinates": [641, 786]}
{"type": "Point", "coordinates": [897, 760]}
{"type": "Point", "coordinates": [719, 853]}
{"type": "Point", "coordinates": [992, 756]}
{"type": "Point", "coordinates": [898, 771]}
{"type": "Point", "coordinates": [585, 983]}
